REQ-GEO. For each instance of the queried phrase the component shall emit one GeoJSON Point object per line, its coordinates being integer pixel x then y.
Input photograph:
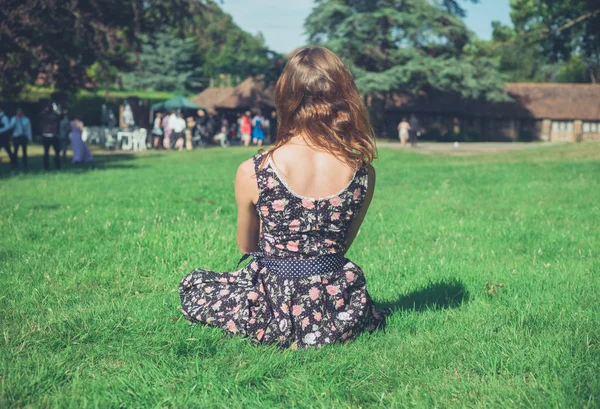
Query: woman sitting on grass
{"type": "Point", "coordinates": [300, 206]}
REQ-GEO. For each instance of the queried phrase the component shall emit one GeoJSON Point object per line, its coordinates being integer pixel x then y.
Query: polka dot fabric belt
{"type": "Point", "coordinates": [291, 268]}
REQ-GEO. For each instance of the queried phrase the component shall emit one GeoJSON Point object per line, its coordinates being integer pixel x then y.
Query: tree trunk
{"type": "Point", "coordinates": [377, 114]}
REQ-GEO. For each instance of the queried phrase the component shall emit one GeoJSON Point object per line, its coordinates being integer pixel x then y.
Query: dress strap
{"type": "Point", "coordinates": [261, 177]}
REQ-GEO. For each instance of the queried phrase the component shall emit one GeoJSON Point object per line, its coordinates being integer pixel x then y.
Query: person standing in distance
{"type": "Point", "coordinates": [403, 130]}
{"type": "Point", "coordinates": [415, 130]}
{"type": "Point", "coordinates": [21, 135]}
{"type": "Point", "coordinates": [5, 128]}
{"type": "Point", "coordinates": [49, 125]}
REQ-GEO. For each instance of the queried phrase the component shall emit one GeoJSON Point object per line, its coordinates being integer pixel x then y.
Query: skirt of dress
{"type": "Point", "coordinates": [293, 313]}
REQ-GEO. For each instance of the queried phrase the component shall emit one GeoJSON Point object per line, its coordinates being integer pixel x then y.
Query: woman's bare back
{"type": "Point", "coordinates": [310, 172]}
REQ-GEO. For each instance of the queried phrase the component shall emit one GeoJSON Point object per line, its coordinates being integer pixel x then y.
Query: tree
{"type": "Point", "coordinates": [167, 62]}
{"type": "Point", "coordinates": [234, 53]}
{"type": "Point", "coordinates": [62, 40]}
{"type": "Point", "coordinates": [562, 29]}
{"type": "Point", "coordinates": [517, 61]}
{"type": "Point", "coordinates": [404, 46]}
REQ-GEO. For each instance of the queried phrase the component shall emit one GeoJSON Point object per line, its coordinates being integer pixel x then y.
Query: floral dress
{"type": "Point", "coordinates": [270, 308]}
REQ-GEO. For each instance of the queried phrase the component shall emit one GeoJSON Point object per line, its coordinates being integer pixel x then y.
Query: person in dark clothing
{"type": "Point", "coordinates": [415, 130]}
{"type": "Point", "coordinates": [211, 126]}
{"type": "Point", "coordinates": [273, 127]}
{"type": "Point", "coordinates": [5, 136]}
{"type": "Point", "coordinates": [49, 125]}
{"type": "Point", "coordinates": [200, 132]}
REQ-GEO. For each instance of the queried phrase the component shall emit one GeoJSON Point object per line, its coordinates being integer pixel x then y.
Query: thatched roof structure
{"type": "Point", "coordinates": [251, 93]}
{"type": "Point", "coordinates": [211, 96]}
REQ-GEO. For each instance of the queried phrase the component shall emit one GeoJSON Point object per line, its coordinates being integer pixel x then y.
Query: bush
{"type": "Point", "coordinates": [525, 136]}
{"type": "Point", "coordinates": [432, 134]}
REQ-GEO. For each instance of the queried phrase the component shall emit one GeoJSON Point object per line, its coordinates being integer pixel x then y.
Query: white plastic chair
{"type": "Point", "coordinates": [139, 139]}
{"type": "Point", "coordinates": [110, 141]}
{"type": "Point", "coordinates": [125, 140]}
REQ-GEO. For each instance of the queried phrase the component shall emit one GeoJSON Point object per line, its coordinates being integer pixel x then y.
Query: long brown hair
{"type": "Point", "coordinates": [316, 97]}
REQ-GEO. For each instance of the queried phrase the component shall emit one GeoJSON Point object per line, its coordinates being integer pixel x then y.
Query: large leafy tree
{"type": "Point", "coordinates": [231, 52]}
{"type": "Point", "coordinates": [166, 62]}
{"type": "Point", "coordinates": [562, 29]}
{"type": "Point", "coordinates": [404, 46]}
{"type": "Point", "coordinates": [61, 40]}
{"type": "Point", "coordinates": [518, 61]}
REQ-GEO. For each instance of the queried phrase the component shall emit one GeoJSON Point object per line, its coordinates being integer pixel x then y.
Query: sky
{"type": "Point", "coordinates": [281, 21]}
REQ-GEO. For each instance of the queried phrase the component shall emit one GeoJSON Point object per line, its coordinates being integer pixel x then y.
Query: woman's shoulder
{"type": "Point", "coordinates": [246, 169]}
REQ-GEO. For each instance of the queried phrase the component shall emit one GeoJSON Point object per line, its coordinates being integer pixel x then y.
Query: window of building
{"type": "Point", "coordinates": [562, 126]}
{"type": "Point", "coordinates": [591, 127]}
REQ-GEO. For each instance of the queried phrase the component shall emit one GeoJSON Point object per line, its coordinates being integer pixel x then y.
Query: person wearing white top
{"type": "Point", "coordinates": [21, 135]}
{"type": "Point", "coordinates": [172, 120]}
{"type": "Point", "coordinates": [179, 126]}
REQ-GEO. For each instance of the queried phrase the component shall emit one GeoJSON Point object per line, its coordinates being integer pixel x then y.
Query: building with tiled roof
{"type": "Point", "coordinates": [547, 112]}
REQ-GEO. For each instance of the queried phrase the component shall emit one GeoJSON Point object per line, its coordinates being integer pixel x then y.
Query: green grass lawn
{"type": "Point", "coordinates": [90, 261]}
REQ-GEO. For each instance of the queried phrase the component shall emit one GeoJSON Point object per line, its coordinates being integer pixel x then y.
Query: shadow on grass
{"type": "Point", "coordinates": [102, 161]}
{"type": "Point", "coordinates": [436, 296]}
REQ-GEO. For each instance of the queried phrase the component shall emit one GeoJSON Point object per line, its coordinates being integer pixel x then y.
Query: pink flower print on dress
{"type": "Point", "coordinates": [278, 205]}
{"type": "Point", "coordinates": [293, 245]}
{"type": "Point", "coordinates": [332, 290]}
{"type": "Point", "coordinates": [209, 289]}
{"type": "Point", "coordinates": [314, 293]}
{"type": "Point", "coordinates": [297, 310]}
{"type": "Point", "coordinates": [231, 326]}
{"type": "Point", "coordinates": [330, 242]}
{"type": "Point", "coordinates": [308, 204]}
{"type": "Point", "coordinates": [357, 193]}
{"type": "Point", "coordinates": [271, 182]}
{"type": "Point", "coordinates": [339, 303]}
{"type": "Point", "coordinates": [252, 296]}
{"type": "Point", "coordinates": [363, 300]}
{"type": "Point", "coordinates": [267, 247]}
{"type": "Point", "coordinates": [254, 266]}
{"type": "Point", "coordinates": [279, 246]}
{"type": "Point", "coordinates": [223, 293]}
{"type": "Point", "coordinates": [335, 201]}
{"type": "Point", "coordinates": [349, 276]}
{"type": "Point", "coordinates": [284, 308]}
{"type": "Point", "coordinates": [294, 225]}
{"type": "Point", "coordinates": [201, 301]}
{"type": "Point", "coordinates": [264, 210]}
{"type": "Point", "coordinates": [335, 216]}
{"type": "Point", "coordinates": [217, 305]}
{"type": "Point", "coordinates": [305, 322]}
{"type": "Point", "coordinates": [223, 280]}
{"type": "Point", "coordinates": [317, 316]}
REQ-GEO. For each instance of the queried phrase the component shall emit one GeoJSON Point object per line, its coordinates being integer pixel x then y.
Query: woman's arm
{"type": "Point", "coordinates": [246, 196]}
{"type": "Point", "coordinates": [365, 207]}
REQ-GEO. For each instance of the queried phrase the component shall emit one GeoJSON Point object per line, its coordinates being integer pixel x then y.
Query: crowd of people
{"type": "Point", "coordinates": [58, 130]}
{"type": "Point", "coordinates": [171, 130]}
